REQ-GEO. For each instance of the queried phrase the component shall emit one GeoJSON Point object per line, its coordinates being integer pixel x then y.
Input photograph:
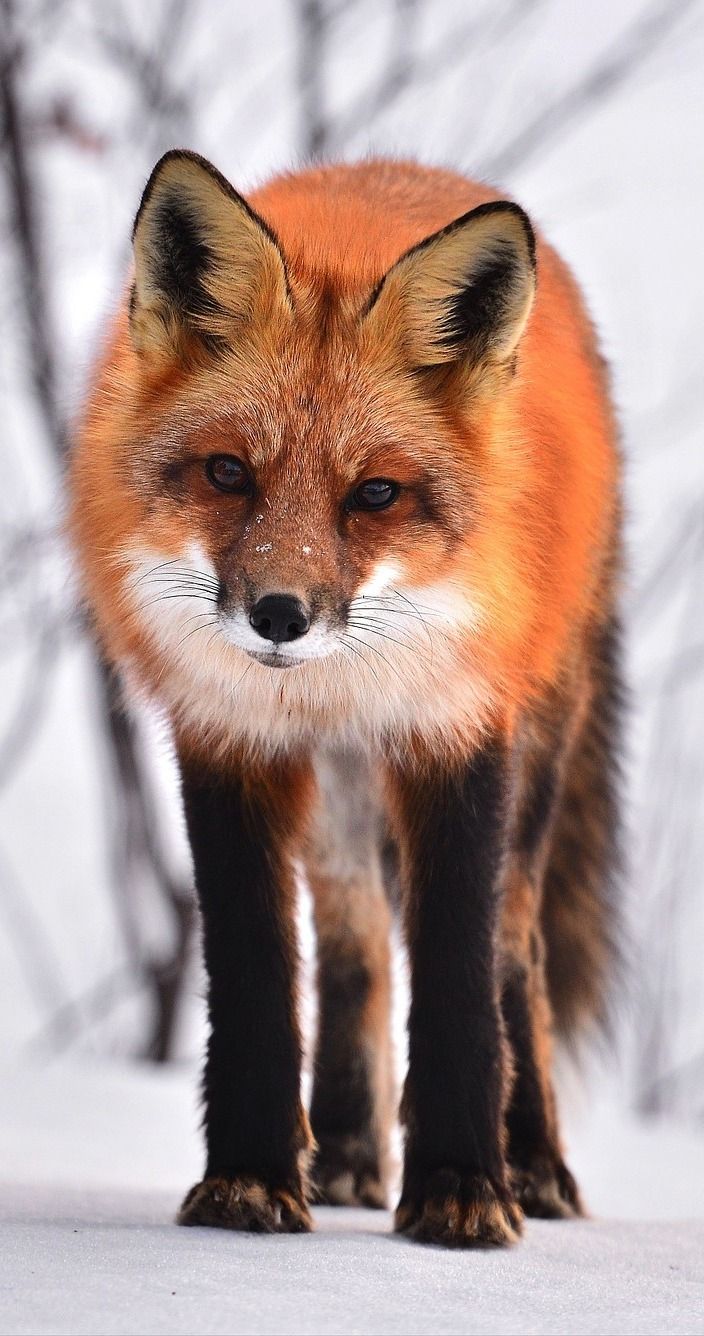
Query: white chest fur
{"type": "Point", "coordinates": [393, 671]}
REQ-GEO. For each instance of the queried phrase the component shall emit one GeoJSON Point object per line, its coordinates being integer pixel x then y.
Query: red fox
{"type": "Point", "coordinates": [346, 506]}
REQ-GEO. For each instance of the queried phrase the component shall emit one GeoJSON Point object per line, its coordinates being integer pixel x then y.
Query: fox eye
{"type": "Point", "coordinates": [227, 473]}
{"type": "Point", "coordinates": [375, 494]}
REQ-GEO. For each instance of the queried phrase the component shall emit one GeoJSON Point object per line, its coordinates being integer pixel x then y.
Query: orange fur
{"type": "Point", "coordinates": [452, 658]}
{"type": "Point", "coordinates": [321, 393]}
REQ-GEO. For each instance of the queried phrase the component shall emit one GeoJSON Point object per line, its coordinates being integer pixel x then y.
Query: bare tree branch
{"type": "Point", "coordinates": [138, 835]}
{"type": "Point", "coordinates": [35, 955]}
{"type": "Point", "coordinates": [33, 700]}
{"type": "Point", "coordinates": [137, 852]}
{"type": "Point", "coordinates": [313, 21]}
{"type": "Point", "coordinates": [407, 67]}
{"type": "Point", "coordinates": [401, 71]}
{"type": "Point", "coordinates": [25, 230]}
{"type": "Point", "coordinates": [684, 1074]}
{"type": "Point", "coordinates": [69, 1022]}
{"type": "Point", "coordinates": [616, 67]}
{"type": "Point", "coordinates": [164, 109]}
{"type": "Point", "coordinates": [663, 871]}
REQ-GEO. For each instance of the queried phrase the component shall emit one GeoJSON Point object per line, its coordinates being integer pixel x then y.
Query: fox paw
{"type": "Point", "coordinates": [460, 1210]}
{"type": "Point", "coordinates": [247, 1204]}
{"type": "Point", "coordinates": [548, 1191]}
{"type": "Point", "coordinates": [346, 1173]}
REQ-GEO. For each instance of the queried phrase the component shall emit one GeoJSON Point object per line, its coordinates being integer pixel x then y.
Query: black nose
{"type": "Point", "coordinates": [279, 617]}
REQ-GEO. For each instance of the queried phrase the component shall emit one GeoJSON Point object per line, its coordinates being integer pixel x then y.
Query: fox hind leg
{"type": "Point", "coordinates": [351, 1105]}
{"type": "Point", "coordinates": [543, 1184]}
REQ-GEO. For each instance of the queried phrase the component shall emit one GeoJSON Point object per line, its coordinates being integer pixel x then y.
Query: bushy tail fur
{"type": "Point", "coordinates": [580, 910]}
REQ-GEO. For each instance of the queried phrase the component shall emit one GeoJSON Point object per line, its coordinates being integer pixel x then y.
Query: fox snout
{"type": "Point", "coordinates": [278, 626]}
{"type": "Point", "coordinates": [280, 618]}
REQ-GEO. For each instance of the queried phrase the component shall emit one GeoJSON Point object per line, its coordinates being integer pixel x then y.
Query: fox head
{"type": "Point", "coordinates": [300, 461]}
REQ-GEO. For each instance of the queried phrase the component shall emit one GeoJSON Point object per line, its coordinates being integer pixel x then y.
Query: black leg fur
{"type": "Point", "coordinates": [543, 1183]}
{"type": "Point", "coordinates": [350, 1159]}
{"type": "Point", "coordinates": [255, 1129]}
{"type": "Point", "coordinates": [452, 827]}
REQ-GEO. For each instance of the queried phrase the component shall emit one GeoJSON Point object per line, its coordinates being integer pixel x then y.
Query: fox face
{"type": "Point", "coordinates": [300, 512]}
{"type": "Point", "coordinates": [306, 476]}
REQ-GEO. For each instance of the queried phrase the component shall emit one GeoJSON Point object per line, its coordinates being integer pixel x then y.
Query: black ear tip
{"type": "Point", "coordinates": [172, 155]}
{"type": "Point", "coordinates": [494, 208]}
{"type": "Point", "coordinates": [507, 206]}
{"type": "Point", "coordinates": [528, 229]}
{"type": "Point", "coordinates": [179, 155]}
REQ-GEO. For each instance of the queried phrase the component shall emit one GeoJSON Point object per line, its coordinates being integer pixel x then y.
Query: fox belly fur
{"type": "Point", "coordinates": [346, 506]}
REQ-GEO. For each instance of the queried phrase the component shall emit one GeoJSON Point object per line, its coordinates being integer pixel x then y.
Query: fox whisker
{"type": "Point", "coordinates": [344, 640]}
{"type": "Point", "coordinates": [193, 630]}
{"type": "Point", "coordinates": [166, 598]}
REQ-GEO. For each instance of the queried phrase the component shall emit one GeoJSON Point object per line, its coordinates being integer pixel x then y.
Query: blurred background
{"type": "Point", "coordinates": [591, 115]}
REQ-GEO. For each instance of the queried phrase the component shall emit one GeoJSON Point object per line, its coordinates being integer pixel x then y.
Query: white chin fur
{"type": "Point", "coordinates": [318, 643]}
{"type": "Point", "coordinates": [394, 670]}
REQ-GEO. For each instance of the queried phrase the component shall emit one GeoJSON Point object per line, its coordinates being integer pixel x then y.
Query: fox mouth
{"type": "Point", "coordinates": [285, 653]}
{"type": "Point", "coordinates": [273, 659]}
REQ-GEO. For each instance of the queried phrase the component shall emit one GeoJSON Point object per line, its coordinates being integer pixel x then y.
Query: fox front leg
{"type": "Point", "coordinates": [456, 1189]}
{"type": "Point", "coordinates": [257, 1134]}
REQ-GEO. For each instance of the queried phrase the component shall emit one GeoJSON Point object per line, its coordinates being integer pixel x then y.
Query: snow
{"type": "Point", "coordinates": [100, 1263]}
{"type": "Point", "coordinates": [94, 1159]}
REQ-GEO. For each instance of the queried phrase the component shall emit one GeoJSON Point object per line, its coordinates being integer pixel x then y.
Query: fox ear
{"type": "Point", "coordinates": [465, 293]}
{"type": "Point", "coordinates": [203, 260]}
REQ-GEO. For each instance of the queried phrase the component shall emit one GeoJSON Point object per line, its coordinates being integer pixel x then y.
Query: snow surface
{"type": "Point", "coordinates": [94, 1160]}
{"type": "Point", "coordinates": [98, 1263]}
